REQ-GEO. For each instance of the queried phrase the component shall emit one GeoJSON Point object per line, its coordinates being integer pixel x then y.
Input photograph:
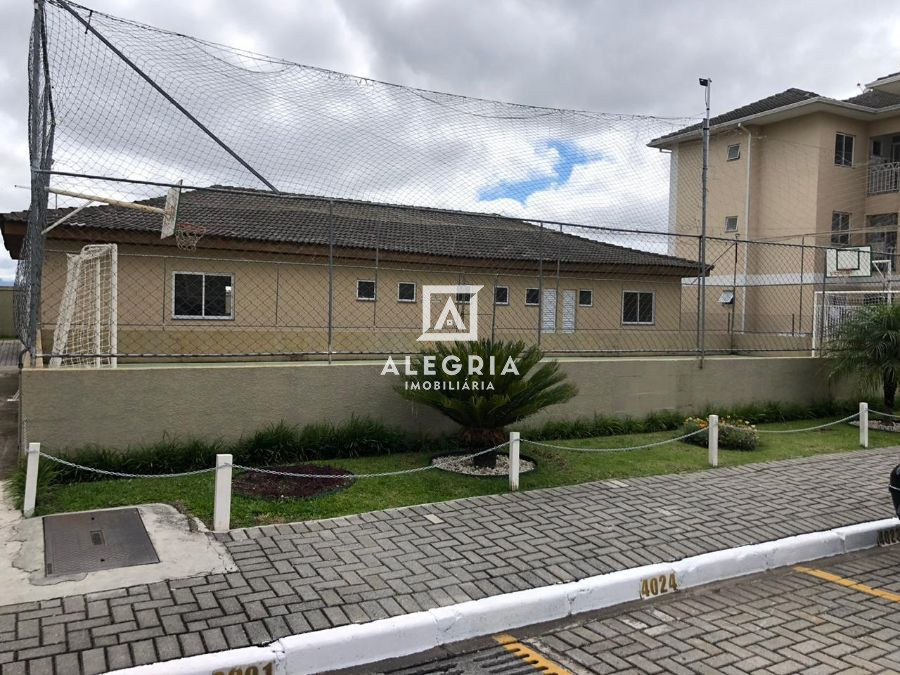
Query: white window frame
{"type": "Point", "coordinates": [203, 317]}
{"type": "Point", "coordinates": [408, 283]}
{"type": "Point", "coordinates": [736, 223]}
{"type": "Point", "coordinates": [374, 290]}
{"type": "Point", "coordinates": [842, 232]}
{"type": "Point", "coordinates": [737, 156]}
{"type": "Point", "coordinates": [852, 150]}
{"type": "Point", "coordinates": [533, 304]}
{"type": "Point", "coordinates": [585, 290]}
{"type": "Point", "coordinates": [652, 321]}
{"type": "Point", "coordinates": [502, 304]}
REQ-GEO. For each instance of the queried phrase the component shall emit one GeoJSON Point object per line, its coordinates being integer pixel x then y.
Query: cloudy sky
{"type": "Point", "coordinates": [622, 57]}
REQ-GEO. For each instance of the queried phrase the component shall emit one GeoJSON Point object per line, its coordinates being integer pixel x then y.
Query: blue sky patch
{"type": "Point", "coordinates": [570, 156]}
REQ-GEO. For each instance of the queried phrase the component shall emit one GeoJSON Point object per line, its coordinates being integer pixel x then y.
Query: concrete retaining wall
{"type": "Point", "coordinates": [68, 408]}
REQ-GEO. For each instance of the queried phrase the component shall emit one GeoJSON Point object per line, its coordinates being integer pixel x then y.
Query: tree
{"type": "Point", "coordinates": [867, 345]}
{"type": "Point", "coordinates": [484, 404]}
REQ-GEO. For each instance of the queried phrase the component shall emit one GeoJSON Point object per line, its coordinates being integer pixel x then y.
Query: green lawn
{"type": "Point", "coordinates": [555, 467]}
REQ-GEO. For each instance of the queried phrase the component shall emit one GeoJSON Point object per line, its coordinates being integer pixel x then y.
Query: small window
{"type": "Point", "coordinates": [734, 152]}
{"type": "Point", "coordinates": [501, 295]}
{"type": "Point", "coordinates": [463, 298]}
{"type": "Point", "coordinates": [840, 228]}
{"type": "Point", "coordinates": [731, 223]}
{"type": "Point", "coordinates": [876, 148]}
{"type": "Point", "coordinates": [585, 297]}
{"type": "Point", "coordinates": [532, 296]}
{"type": "Point", "coordinates": [406, 291]}
{"type": "Point", "coordinates": [202, 296]}
{"type": "Point", "coordinates": [365, 290]}
{"type": "Point", "coordinates": [637, 307]}
{"type": "Point", "coordinates": [843, 150]}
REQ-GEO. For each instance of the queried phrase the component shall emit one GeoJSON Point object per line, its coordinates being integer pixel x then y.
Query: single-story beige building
{"type": "Point", "coordinates": [259, 283]}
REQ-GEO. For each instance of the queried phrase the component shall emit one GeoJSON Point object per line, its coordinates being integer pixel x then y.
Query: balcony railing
{"type": "Point", "coordinates": [883, 178]}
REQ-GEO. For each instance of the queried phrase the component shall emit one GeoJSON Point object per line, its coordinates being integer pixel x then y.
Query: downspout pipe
{"type": "Point", "coordinates": [746, 226]}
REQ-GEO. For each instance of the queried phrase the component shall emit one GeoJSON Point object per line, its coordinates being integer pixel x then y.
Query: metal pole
{"type": "Point", "coordinates": [540, 319]}
{"type": "Point", "coordinates": [706, 83]}
{"type": "Point", "coordinates": [734, 291]}
{"type": "Point", "coordinates": [331, 278]}
{"type": "Point", "coordinates": [802, 261]}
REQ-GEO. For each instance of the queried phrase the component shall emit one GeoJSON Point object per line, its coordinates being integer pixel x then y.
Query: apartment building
{"type": "Point", "coordinates": [803, 172]}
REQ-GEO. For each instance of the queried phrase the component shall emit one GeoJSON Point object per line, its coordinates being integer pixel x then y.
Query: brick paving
{"type": "Point", "coordinates": [308, 576]}
{"type": "Point", "coordinates": [775, 624]}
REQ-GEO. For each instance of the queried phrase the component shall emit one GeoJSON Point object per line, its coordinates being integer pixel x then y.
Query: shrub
{"type": "Point", "coordinates": [734, 433]}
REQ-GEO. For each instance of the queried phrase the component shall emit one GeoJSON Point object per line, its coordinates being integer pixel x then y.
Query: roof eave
{"type": "Point", "coordinates": [783, 112]}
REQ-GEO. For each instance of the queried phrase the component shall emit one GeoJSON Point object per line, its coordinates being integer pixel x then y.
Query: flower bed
{"type": "Point", "coordinates": [734, 433]}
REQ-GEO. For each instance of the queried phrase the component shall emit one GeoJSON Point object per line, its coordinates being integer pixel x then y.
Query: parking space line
{"type": "Point", "coordinates": [530, 656]}
{"type": "Point", "coordinates": [849, 583]}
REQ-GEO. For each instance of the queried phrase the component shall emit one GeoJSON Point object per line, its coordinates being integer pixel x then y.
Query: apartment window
{"type": "Point", "coordinates": [638, 307]}
{"type": "Point", "coordinates": [840, 228]}
{"type": "Point", "coordinates": [731, 223]}
{"type": "Point", "coordinates": [202, 296]}
{"type": "Point", "coordinates": [843, 150]}
{"type": "Point", "coordinates": [734, 152]}
{"type": "Point", "coordinates": [883, 239]}
{"type": "Point", "coordinates": [406, 291]}
{"type": "Point", "coordinates": [532, 296]}
{"type": "Point", "coordinates": [501, 295]}
{"type": "Point", "coordinates": [585, 297]}
{"type": "Point", "coordinates": [365, 290]}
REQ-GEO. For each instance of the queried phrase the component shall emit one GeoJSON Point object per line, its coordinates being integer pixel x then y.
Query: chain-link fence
{"type": "Point", "coordinates": [321, 215]}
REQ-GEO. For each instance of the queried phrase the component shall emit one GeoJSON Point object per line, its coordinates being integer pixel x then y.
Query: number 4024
{"type": "Point", "coordinates": [653, 586]}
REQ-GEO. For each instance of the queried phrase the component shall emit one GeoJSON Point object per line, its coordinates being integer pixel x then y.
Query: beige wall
{"type": "Point", "coordinates": [7, 314]}
{"type": "Point", "coordinates": [125, 406]}
{"type": "Point", "coordinates": [281, 305]}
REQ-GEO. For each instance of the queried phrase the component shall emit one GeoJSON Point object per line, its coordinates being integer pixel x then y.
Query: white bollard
{"type": "Point", "coordinates": [713, 434]}
{"type": "Point", "coordinates": [222, 503]}
{"type": "Point", "coordinates": [31, 476]}
{"type": "Point", "coordinates": [513, 460]}
{"type": "Point", "coordinates": [864, 425]}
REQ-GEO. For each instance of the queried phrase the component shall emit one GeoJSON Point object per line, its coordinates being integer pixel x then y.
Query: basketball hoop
{"type": "Point", "coordinates": [187, 235]}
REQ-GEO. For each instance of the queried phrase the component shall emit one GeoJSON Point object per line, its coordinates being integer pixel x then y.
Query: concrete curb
{"type": "Point", "coordinates": [358, 644]}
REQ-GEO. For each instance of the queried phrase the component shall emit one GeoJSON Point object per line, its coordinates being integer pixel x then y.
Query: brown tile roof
{"type": "Point", "coordinates": [264, 217]}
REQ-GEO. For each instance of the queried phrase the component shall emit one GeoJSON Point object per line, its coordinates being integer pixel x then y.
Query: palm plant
{"type": "Point", "coordinates": [484, 412]}
{"type": "Point", "coordinates": [867, 345]}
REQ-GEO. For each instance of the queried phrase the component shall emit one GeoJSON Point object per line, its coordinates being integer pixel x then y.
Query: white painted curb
{"type": "Point", "coordinates": [358, 644]}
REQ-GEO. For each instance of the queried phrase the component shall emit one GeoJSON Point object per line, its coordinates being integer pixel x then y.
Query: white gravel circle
{"type": "Point", "coordinates": [466, 465]}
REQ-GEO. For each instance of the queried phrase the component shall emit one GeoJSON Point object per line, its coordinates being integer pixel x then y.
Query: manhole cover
{"type": "Point", "coordinates": [99, 540]}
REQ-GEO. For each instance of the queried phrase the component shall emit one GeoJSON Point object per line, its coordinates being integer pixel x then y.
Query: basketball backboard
{"type": "Point", "coordinates": [851, 261]}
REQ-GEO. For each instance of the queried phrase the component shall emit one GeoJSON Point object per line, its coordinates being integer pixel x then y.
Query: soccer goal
{"type": "Point", "coordinates": [86, 332]}
{"type": "Point", "coordinates": [832, 308]}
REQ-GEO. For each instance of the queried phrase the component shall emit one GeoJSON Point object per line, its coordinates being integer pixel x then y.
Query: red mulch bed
{"type": "Point", "coordinates": [254, 484]}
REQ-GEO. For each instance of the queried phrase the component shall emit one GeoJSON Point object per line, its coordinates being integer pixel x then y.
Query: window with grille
{"type": "Point", "coordinates": [406, 291]}
{"type": "Point", "coordinates": [731, 223]}
{"type": "Point", "coordinates": [365, 290]}
{"type": "Point", "coordinates": [501, 295]}
{"type": "Point", "coordinates": [734, 152]}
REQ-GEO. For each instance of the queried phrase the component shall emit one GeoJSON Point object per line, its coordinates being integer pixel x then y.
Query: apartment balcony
{"type": "Point", "coordinates": [883, 178]}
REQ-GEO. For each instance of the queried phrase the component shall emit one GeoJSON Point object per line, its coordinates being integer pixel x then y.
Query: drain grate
{"type": "Point", "coordinates": [75, 543]}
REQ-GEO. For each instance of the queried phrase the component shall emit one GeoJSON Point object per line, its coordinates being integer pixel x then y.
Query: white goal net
{"type": "Point", "coordinates": [86, 327]}
{"type": "Point", "coordinates": [832, 308]}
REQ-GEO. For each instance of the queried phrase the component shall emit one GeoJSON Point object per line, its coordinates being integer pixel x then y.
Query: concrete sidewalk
{"type": "Point", "coordinates": [308, 576]}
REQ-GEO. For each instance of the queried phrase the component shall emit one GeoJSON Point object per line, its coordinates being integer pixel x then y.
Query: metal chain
{"type": "Point", "coordinates": [884, 414]}
{"type": "Point", "coordinates": [120, 474]}
{"type": "Point", "coordinates": [797, 431]}
{"type": "Point", "coordinates": [633, 447]}
{"type": "Point", "coordinates": [418, 469]}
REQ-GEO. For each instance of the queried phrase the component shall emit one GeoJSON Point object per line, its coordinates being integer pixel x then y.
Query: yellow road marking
{"type": "Point", "coordinates": [529, 656]}
{"type": "Point", "coordinates": [849, 583]}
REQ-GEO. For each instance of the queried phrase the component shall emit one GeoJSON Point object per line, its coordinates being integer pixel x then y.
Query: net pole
{"type": "Point", "coordinates": [331, 278]}
{"type": "Point", "coordinates": [707, 84]}
{"type": "Point", "coordinates": [98, 331]}
{"type": "Point", "coordinates": [540, 312]}
{"type": "Point", "coordinates": [802, 264]}
{"type": "Point", "coordinates": [114, 307]}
